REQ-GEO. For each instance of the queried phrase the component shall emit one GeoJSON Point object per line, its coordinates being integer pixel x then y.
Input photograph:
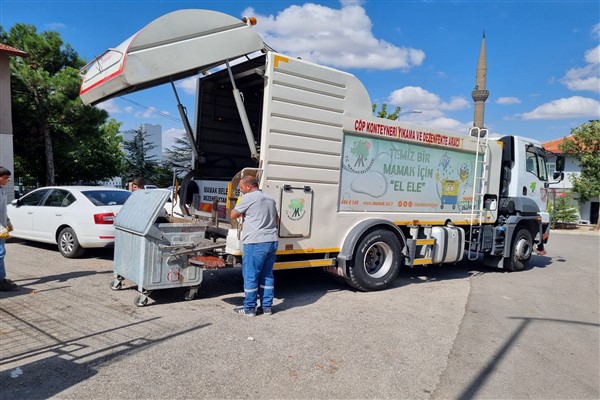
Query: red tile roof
{"type": "Point", "coordinates": [553, 144]}
{"type": "Point", "coordinates": [11, 51]}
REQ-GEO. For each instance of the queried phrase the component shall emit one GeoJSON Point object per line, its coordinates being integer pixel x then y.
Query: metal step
{"type": "Point", "coordinates": [422, 261]}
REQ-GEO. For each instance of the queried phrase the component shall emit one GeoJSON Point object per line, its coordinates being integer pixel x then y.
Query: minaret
{"type": "Point", "coordinates": [479, 94]}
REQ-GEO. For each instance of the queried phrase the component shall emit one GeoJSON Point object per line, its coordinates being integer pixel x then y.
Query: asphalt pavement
{"type": "Point", "coordinates": [456, 331]}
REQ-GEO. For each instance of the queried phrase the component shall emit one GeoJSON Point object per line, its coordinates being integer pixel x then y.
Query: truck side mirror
{"type": "Point", "coordinates": [558, 176]}
{"type": "Point", "coordinates": [478, 132]}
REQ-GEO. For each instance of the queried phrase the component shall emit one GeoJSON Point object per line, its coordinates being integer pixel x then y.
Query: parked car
{"type": "Point", "coordinates": [74, 217]}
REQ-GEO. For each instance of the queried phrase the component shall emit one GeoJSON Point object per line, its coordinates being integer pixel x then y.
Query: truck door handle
{"type": "Point", "coordinates": [524, 190]}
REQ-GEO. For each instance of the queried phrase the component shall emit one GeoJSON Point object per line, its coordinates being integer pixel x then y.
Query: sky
{"type": "Point", "coordinates": [543, 57]}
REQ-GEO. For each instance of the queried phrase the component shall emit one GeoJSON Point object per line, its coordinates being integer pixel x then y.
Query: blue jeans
{"type": "Point", "coordinates": [2, 254]}
{"type": "Point", "coordinates": [257, 269]}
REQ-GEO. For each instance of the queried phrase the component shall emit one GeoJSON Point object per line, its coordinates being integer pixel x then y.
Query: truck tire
{"type": "Point", "coordinates": [376, 261]}
{"type": "Point", "coordinates": [68, 245]}
{"type": "Point", "coordinates": [520, 251]}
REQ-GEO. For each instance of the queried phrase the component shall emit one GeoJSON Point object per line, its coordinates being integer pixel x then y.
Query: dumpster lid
{"type": "Point", "coordinates": [141, 210]}
{"type": "Point", "coordinates": [175, 46]}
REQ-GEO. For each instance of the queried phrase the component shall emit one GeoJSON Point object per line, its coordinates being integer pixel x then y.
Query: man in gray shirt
{"type": "Point", "coordinates": [259, 240]}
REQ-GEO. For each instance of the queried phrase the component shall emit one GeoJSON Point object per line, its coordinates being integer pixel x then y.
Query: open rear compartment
{"type": "Point", "coordinates": [221, 142]}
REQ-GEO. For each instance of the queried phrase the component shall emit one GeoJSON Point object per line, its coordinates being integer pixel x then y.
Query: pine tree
{"type": "Point", "coordinates": [137, 158]}
{"type": "Point", "coordinates": [564, 211]}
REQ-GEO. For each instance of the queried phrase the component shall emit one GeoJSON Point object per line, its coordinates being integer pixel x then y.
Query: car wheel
{"type": "Point", "coordinates": [68, 245]}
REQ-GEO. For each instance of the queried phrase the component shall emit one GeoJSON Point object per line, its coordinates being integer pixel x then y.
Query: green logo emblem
{"type": "Point", "coordinates": [296, 209]}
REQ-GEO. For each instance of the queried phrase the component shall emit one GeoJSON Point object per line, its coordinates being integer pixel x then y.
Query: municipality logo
{"type": "Point", "coordinates": [360, 159]}
{"type": "Point", "coordinates": [295, 209]}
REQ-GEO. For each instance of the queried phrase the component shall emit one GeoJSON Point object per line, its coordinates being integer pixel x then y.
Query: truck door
{"type": "Point", "coordinates": [531, 174]}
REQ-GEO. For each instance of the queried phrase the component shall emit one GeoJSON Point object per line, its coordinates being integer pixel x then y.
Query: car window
{"type": "Point", "coordinates": [33, 198]}
{"type": "Point", "coordinates": [59, 198]}
{"type": "Point", "coordinates": [67, 201]}
{"type": "Point", "coordinates": [107, 197]}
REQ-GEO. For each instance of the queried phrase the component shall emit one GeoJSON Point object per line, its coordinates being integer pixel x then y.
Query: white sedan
{"type": "Point", "coordinates": [74, 217]}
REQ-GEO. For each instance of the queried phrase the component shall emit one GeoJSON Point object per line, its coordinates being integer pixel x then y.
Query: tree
{"type": "Point", "coordinates": [564, 210]}
{"type": "Point", "coordinates": [179, 157]}
{"type": "Point", "coordinates": [94, 155]}
{"type": "Point", "coordinates": [382, 113]}
{"type": "Point", "coordinates": [137, 158]}
{"type": "Point", "coordinates": [584, 146]}
{"type": "Point", "coordinates": [56, 136]}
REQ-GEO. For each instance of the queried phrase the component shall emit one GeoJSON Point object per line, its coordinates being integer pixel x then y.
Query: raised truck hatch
{"type": "Point", "coordinates": [175, 46]}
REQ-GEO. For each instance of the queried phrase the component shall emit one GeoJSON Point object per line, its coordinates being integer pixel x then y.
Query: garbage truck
{"type": "Point", "coordinates": [357, 195]}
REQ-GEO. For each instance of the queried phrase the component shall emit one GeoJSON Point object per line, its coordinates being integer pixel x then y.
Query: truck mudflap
{"type": "Point", "coordinates": [197, 39]}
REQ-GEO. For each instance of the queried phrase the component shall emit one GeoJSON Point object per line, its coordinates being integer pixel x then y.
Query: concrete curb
{"type": "Point", "coordinates": [579, 231]}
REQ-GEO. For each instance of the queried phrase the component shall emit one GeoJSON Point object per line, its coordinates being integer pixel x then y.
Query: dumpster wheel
{"type": "Point", "coordinates": [191, 293]}
{"type": "Point", "coordinates": [140, 300]}
{"type": "Point", "coordinates": [117, 283]}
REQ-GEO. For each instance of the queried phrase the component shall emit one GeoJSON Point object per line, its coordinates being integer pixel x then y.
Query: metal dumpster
{"type": "Point", "coordinates": [153, 253]}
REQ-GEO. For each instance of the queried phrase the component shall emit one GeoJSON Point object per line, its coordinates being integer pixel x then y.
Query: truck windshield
{"type": "Point", "coordinates": [535, 163]}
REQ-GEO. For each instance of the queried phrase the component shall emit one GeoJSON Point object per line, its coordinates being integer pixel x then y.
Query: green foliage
{"type": "Point", "coordinates": [57, 139]}
{"type": "Point", "coordinates": [584, 146]}
{"type": "Point", "coordinates": [382, 113]}
{"type": "Point", "coordinates": [564, 210]}
{"type": "Point", "coordinates": [162, 177]}
{"type": "Point", "coordinates": [179, 157]}
{"type": "Point", "coordinates": [137, 160]}
{"type": "Point", "coordinates": [94, 155]}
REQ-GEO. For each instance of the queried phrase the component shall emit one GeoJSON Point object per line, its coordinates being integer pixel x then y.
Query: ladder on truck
{"type": "Point", "coordinates": [479, 189]}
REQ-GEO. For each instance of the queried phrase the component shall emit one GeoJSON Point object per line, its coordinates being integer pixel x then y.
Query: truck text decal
{"type": "Point", "coordinates": [407, 134]}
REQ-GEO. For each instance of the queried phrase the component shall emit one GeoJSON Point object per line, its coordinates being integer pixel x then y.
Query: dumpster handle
{"type": "Point", "coordinates": [194, 250]}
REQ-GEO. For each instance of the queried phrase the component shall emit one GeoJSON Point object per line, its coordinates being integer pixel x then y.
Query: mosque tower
{"type": "Point", "coordinates": [480, 94]}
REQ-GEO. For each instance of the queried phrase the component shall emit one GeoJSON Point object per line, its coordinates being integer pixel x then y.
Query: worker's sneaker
{"type": "Point", "coordinates": [243, 311]}
{"type": "Point", "coordinates": [264, 310]}
{"type": "Point", "coordinates": [6, 285]}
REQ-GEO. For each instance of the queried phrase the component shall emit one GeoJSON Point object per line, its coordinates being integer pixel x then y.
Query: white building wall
{"type": "Point", "coordinates": [572, 169]}
{"type": "Point", "coordinates": [154, 136]}
{"type": "Point", "coordinates": [6, 127]}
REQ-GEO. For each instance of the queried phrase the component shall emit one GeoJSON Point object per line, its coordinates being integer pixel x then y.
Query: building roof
{"type": "Point", "coordinates": [11, 51]}
{"type": "Point", "coordinates": [552, 145]}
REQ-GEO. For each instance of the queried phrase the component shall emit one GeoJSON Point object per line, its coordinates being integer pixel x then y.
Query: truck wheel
{"type": "Point", "coordinates": [376, 261]}
{"type": "Point", "coordinates": [520, 252]}
{"type": "Point", "coordinates": [68, 245]}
